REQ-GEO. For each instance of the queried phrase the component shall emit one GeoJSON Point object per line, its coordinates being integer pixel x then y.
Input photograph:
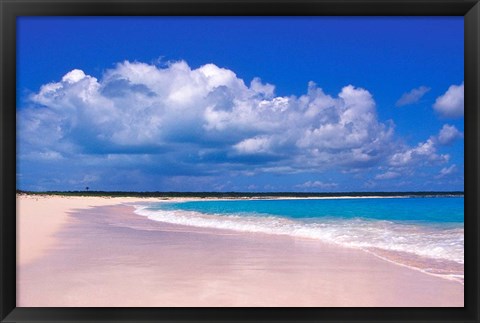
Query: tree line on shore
{"type": "Point", "coordinates": [161, 194]}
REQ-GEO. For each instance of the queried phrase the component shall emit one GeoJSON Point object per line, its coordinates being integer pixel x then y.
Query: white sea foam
{"type": "Point", "coordinates": [439, 243]}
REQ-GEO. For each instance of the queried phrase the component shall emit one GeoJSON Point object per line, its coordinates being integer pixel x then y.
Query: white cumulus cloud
{"type": "Point", "coordinates": [253, 145]}
{"type": "Point", "coordinates": [451, 104]}
{"type": "Point", "coordinates": [203, 115]}
{"type": "Point", "coordinates": [424, 152]}
{"type": "Point", "coordinates": [448, 134]}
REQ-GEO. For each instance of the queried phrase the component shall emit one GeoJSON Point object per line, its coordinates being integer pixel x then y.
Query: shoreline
{"type": "Point", "coordinates": [413, 261]}
{"type": "Point", "coordinates": [110, 223]}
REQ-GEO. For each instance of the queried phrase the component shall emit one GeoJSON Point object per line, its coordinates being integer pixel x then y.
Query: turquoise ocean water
{"type": "Point", "coordinates": [424, 233]}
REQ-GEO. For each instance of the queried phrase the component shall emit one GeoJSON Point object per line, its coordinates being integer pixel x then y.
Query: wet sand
{"type": "Point", "coordinates": [106, 255]}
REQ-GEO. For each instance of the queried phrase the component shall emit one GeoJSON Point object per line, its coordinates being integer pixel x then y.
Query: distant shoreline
{"type": "Point", "coordinates": [246, 195]}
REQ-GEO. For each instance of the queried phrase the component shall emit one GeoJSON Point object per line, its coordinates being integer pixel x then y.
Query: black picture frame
{"type": "Point", "coordinates": [10, 9]}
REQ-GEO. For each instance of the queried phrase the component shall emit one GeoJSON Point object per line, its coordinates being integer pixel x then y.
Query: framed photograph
{"type": "Point", "coordinates": [239, 161]}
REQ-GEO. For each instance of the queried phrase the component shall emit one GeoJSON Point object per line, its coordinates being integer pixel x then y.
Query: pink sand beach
{"type": "Point", "coordinates": [96, 252]}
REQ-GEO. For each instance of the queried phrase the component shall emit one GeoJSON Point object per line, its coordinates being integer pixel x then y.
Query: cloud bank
{"type": "Point", "coordinates": [209, 111]}
{"type": "Point", "coordinates": [186, 123]}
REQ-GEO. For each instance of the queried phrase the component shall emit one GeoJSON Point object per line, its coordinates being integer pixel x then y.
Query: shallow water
{"type": "Point", "coordinates": [426, 233]}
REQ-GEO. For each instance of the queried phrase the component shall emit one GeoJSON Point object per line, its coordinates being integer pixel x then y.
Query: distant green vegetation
{"type": "Point", "coordinates": [234, 194]}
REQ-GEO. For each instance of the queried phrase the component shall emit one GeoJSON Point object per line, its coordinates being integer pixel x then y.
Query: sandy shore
{"type": "Point", "coordinates": [39, 217]}
{"type": "Point", "coordinates": [97, 252]}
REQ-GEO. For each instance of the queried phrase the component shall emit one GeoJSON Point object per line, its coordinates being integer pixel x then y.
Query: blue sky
{"type": "Point", "coordinates": [240, 103]}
